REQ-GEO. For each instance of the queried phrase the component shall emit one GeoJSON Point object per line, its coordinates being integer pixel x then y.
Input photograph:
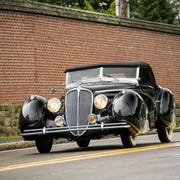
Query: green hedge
{"type": "Point", "coordinates": [9, 114]}
{"type": "Point", "coordinates": [178, 114]}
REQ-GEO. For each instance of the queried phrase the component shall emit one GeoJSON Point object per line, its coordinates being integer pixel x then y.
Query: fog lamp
{"type": "Point", "coordinates": [59, 121]}
{"type": "Point", "coordinates": [92, 118]}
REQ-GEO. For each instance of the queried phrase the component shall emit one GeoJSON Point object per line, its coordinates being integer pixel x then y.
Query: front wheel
{"type": "Point", "coordinates": [44, 144]}
{"type": "Point", "coordinates": [83, 142]}
{"type": "Point", "coordinates": [128, 140]}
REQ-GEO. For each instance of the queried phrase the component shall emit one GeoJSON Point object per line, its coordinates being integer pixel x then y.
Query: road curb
{"type": "Point", "coordinates": [16, 145]}
{"type": "Point", "coordinates": [24, 144]}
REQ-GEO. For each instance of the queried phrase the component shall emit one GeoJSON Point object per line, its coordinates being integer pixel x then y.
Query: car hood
{"type": "Point", "coordinates": [104, 83]}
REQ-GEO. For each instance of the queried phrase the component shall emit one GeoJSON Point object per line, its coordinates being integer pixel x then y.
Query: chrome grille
{"type": "Point", "coordinates": [79, 103]}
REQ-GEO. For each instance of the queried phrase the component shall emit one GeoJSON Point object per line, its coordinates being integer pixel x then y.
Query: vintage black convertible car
{"type": "Point", "coordinates": [114, 98]}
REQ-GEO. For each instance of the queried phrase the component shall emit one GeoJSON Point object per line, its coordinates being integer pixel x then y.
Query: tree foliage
{"type": "Point", "coordinates": [159, 11]}
{"type": "Point", "coordinates": [165, 11]}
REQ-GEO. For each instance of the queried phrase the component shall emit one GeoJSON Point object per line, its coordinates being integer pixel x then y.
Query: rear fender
{"type": "Point", "coordinates": [166, 108]}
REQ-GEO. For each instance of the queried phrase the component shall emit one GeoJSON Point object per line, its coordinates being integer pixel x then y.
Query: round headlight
{"type": "Point", "coordinates": [53, 105]}
{"type": "Point", "coordinates": [100, 101]}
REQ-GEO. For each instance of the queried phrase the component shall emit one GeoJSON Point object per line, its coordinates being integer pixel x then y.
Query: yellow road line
{"type": "Point", "coordinates": [87, 156]}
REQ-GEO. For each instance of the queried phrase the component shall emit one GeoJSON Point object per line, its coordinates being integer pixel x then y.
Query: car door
{"type": "Point", "coordinates": [149, 92]}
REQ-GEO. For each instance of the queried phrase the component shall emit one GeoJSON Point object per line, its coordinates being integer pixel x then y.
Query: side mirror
{"type": "Point", "coordinates": [54, 89]}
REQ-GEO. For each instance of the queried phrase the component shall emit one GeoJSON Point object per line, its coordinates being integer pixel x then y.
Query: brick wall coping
{"type": "Point", "coordinates": [52, 10]}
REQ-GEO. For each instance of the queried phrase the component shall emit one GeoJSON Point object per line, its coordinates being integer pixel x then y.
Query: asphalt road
{"type": "Point", "coordinates": [102, 160]}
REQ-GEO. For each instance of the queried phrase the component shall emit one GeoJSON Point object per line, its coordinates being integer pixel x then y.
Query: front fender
{"type": "Point", "coordinates": [32, 113]}
{"type": "Point", "coordinates": [129, 105]}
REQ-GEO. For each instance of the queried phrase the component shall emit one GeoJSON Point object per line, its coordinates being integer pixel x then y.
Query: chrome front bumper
{"type": "Point", "coordinates": [59, 130]}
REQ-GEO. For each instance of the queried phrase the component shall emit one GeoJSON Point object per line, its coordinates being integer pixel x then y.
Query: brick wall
{"type": "Point", "coordinates": [37, 43]}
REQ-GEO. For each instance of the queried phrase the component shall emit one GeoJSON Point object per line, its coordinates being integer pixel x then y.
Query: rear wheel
{"type": "Point", "coordinates": [44, 144]}
{"type": "Point", "coordinates": [165, 134]}
{"type": "Point", "coordinates": [128, 140]}
{"type": "Point", "coordinates": [83, 142]}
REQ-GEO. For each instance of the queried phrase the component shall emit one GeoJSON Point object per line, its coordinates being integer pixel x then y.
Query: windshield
{"type": "Point", "coordinates": [120, 72]}
{"type": "Point", "coordinates": [111, 72]}
{"type": "Point", "coordinates": [82, 75]}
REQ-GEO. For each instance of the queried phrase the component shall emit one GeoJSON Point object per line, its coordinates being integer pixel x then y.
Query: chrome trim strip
{"type": "Point", "coordinates": [101, 72]}
{"type": "Point", "coordinates": [67, 76]}
{"type": "Point", "coordinates": [137, 73]}
{"type": "Point", "coordinates": [78, 92]}
{"type": "Point", "coordinates": [44, 131]}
